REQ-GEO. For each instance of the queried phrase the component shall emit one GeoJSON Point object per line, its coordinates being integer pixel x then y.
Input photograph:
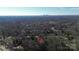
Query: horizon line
{"type": "Point", "coordinates": [43, 15]}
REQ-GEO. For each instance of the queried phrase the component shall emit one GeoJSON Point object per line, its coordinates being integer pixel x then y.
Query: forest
{"type": "Point", "coordinates": [39, 33]}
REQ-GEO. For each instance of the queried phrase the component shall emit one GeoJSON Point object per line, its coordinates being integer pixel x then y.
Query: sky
{"type": "Point", "coordinates": [39, 11]}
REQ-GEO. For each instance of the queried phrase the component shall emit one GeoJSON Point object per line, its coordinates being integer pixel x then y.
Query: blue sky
{"type": "Point", "coordinates": [39, 11]}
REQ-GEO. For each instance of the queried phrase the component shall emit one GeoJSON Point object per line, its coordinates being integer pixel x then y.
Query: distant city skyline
{"type": "Point", "coordinates": [4, 11]}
